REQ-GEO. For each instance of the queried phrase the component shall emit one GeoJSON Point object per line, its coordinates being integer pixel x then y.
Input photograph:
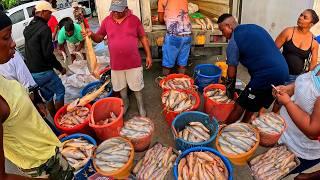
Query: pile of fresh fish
{"type": "Point", "coordinates": [177, 83]}
{"type": "Point", "coordinates": [195, 132]}
{"type": "Point", "coordinates": [112, 154]}
{"type": "Point", "coordinates": [202, 165]}
{"type": "Point", "coordinates": [157, 162]}
{"type": "Point", "coordinates": [219, 96]}
{"type": "Point", "coordinates": [178, 101]}
{"type": "Point", "coordinates": [274, 164]}
{"type": "Point", "coordinates": [269, 123]}
{"type": "Point", "coordinates": [109, 119]}
{"type": "Point", "coordinates": [237, 138]}
{"type": "Point", "coordinates": [137, 127]}
{"type": "Point", "coordinates": [77, 152]}
{"type": "Point", "coordinates": [75, 117]}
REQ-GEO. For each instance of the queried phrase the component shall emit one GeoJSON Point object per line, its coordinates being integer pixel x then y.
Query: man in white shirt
{"type": "Point", "coordinates": [16, 69]}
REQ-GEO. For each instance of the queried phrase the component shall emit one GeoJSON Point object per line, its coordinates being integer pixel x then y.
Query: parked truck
{"type": "Point", "coordinates": [273, 15]}
{"type": "Point", "coordinates": [205, 42]}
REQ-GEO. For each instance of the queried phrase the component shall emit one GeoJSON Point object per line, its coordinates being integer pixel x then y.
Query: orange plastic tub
{"type": "Point", "coordinates": [123, 172]}
{"type": "Point", "coordinates": [100, 111]}
{"type": "Point", "coordinates": [170, 115]}
{"type": "Point", "coordinates": [240, 159]}
{"type": "Point", "coordinates": [172, 76]}
{"type": "Point", "coordinates": [269, 140]}
{"type": "Point", "coordinates": [80, 128]}
{"type": "Point", "coordinates": [220, 111]}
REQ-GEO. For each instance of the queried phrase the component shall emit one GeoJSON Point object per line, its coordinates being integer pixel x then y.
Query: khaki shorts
{"type": "Point", "coordinates": [131, 77]}
{"type": "Point", "coordinates": [72, 47]}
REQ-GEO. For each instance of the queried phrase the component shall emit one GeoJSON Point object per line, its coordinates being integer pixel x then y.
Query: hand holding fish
{"type": "Point", "coordinates": [86, 33]}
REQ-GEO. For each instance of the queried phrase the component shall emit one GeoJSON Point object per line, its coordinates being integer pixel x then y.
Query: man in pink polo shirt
{"type": "Point", "coordinates": [123, 31]}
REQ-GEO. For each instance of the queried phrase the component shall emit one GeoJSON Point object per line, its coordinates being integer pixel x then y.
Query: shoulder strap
{"type": "Point", "coordinates": [312, 38]}
{"type": "Point", "coordinates": [292, 32]}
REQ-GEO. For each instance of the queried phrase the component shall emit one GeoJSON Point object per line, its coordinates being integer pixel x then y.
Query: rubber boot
{"type": "Point", "coordinates": [165, 71]}
{"type": "Point", "coordinates": [139, 98]}
{"type": "Point", "coordinates": [124, 97]}
{"type": "Point", "coordinates": [181, 70]}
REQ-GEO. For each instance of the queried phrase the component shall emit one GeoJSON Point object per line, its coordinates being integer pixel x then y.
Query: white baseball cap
{"type": "Point", "coordinates": [44, 6]}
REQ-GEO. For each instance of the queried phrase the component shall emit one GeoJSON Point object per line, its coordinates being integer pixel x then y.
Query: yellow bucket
{"type": "Point", "coordinates": [240, 159]}
{"type": "Point", "coordinates": [224, 68]}
{"type": "Point", "coordinates": [200, 39]}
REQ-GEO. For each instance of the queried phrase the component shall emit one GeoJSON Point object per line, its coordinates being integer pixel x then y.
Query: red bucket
{"type": "Point", "coordinates": [170, 115]}
{"type": "Point", "coordinates": [142, 143]}
{"type": "Point", "coordinates": [172, 76]}
{"type": "Point", "coordinates": [267, 139]}
{"type": "Point", "coordinates": [220, 111]}
{"type": "Point", "coordinates": [80, 128]}
{"type": "Point", "coordinates": [100, 111]}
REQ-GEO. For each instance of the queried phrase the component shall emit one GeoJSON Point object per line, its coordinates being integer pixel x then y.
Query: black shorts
{"type": "Point", "coordinates": [254, 100]}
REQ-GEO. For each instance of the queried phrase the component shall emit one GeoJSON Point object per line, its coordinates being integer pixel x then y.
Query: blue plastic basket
{"type": "Point", "coordinates": [192, 116]}
{"type": "Point", "coordinates": [184, 153]}
{"type": "Point", "coordinates": [91, 86]}
{"type": "Point", "coordinates": [205, 74]}
{"type": "Point", "coordinates": [88, 169]}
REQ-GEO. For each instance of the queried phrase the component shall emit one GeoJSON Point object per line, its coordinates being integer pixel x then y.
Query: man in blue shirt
{"type": "Point", "coordinates": [254, 48]}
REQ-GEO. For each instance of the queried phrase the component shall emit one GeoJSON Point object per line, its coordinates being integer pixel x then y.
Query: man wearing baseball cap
{"type": "Point", "coordinates": [78, 13]}
{"type": "Point", "coordinates": [124, 31]}
{"type": "Point", "coordinates": [40, 58]}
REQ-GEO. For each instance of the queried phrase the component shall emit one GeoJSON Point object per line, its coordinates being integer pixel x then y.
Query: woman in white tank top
{"type": "Point", "coordinates": [301, 111]}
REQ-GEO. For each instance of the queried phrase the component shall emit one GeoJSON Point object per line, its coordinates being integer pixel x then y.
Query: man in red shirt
{"type": "Point", "coordinates": [123, 31]}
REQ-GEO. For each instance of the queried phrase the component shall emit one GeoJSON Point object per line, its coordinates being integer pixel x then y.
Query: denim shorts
{"type": "Point", "coordinates": [176, 49]}
{"type": "Point", "coordinates": [50, 85]}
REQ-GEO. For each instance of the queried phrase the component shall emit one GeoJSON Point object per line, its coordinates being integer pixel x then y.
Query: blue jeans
{"type": "Point", "coordinates": [176, 49]}
{"type": "Point", "coordinates": [50, 84]}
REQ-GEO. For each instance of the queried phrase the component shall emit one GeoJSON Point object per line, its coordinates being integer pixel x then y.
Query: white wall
{"type": "Point", "coordinates": [274, 15]}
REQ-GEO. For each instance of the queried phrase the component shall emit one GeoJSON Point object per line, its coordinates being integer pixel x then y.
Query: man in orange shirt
{"type": "Point", "coordinates": [177, 43]}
